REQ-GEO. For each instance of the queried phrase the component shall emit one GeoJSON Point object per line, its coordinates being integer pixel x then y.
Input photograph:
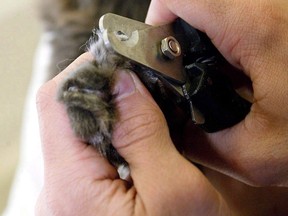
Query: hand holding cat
{"type": "Point", "coordinates": [252, 35]}
{"type": "Point", "coordinates": [79, 181]}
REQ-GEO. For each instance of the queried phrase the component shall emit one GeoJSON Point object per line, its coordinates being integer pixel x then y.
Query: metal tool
{"type": "Point", "coordinates": [180, 67]}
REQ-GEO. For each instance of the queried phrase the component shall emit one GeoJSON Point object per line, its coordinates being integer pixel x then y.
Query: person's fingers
{"type": "Point", "coordinates": [230, 25]}
{"type": "Point", "coordinates": [59, 144]}
{"type": "Point", "coordinates": [212, 17]}
{"type": "Point", "coordinates": [257, 44]}
{"type": "Point", "coordinates": [141, 136]}
{"type": "Point", "coordinates": [159, 13]}
{"type": "Point", "coordinates": [200, 14]}
{"type": "Point", "coordinates": [141, 120]}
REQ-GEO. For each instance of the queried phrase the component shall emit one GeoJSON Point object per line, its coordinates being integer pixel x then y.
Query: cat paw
{"type": "Point", "coordinates": [90, 105]}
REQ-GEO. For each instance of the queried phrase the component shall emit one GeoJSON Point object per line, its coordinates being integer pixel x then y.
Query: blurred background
{"type": "Point", "coordinates": [20, 31]}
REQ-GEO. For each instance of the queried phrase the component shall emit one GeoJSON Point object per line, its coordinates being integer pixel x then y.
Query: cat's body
{"type": "Point", "coordinates": [87, 92]}
{"type": "Point", "coordinates": [71, 23]}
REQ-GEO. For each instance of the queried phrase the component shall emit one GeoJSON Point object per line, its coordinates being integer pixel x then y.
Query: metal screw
{"type": "Point", "coordinates": [170, 47]}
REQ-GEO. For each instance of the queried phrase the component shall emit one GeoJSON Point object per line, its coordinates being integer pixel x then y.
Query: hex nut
{"type": "Point", "coordinates": [170, 47]}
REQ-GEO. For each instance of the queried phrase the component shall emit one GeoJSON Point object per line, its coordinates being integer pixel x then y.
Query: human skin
{"type": "Point", "coordinates": [79, 181]}
{"type": "Point", "coordinates": [252, 36]}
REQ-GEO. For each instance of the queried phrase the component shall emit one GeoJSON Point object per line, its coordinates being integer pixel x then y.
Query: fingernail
{"type": "Point", "coordinates": [125, 85]}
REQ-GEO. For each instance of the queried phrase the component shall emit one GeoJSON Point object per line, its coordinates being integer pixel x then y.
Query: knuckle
{"type": "Point", "coordinates": [41, 96]}
{"type": "Point", "coordinates": [44, 95]}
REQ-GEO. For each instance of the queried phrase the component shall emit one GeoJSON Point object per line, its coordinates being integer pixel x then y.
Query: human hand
{"type": "Point", "coordinates": [79, 181]}
{"type": "Point", "coordinates": [252, 36]}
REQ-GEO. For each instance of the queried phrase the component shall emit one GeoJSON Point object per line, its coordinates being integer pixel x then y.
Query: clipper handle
{"type": "Point", "coordinates": [211, 91]}
{"type": "Point", "coordinates": [213, 95]}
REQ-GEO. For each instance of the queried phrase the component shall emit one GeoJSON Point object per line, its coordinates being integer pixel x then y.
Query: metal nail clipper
{"type": "Point", "coordinates": [180, 67]}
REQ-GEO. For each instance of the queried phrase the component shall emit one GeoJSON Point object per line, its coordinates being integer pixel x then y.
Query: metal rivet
{"type": "Point", "coordinates": [170, 47]}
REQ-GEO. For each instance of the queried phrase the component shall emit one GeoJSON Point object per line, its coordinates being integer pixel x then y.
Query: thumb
{"type": "Point", "coordinates": [142, 138]}
{"type": "Point", "coordinates": [142, 130]}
